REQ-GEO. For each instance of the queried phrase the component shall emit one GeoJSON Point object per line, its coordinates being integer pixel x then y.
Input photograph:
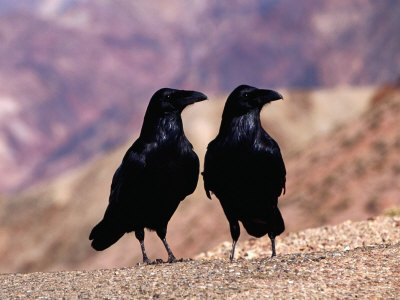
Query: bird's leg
{"type": "Point", "coordinates": [162, 232]}
{"type": "Point", "coordinates": [272, 237]}
{"type": "Point", "coordinates": [235, 233]}
{"type": "Point", "coordinates": [171, 257]}
{"type": "Point", "coordinates": [140, 236]}
{"type": "Point", "coordinates": [233, 250]}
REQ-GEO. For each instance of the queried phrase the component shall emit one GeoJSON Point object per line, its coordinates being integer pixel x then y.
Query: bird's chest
{"type": "Point", "coordinates": [241, 151]}
{"type": "Point", "coordinates": [170, 165]}
{"type": "Point", "coordinates": [241, 162]}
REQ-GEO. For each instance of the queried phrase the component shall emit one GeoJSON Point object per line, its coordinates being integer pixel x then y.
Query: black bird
{"type": "Point", "coordinates": [157, 172]}
{"type": "Point", "coordinates": [244, 167]}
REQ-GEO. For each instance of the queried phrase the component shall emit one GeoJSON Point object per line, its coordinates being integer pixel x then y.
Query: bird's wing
{"type": "Point", "coordinates": [193, 166]}
{"type": "Point", "coordinates": [270, 159]}
{"type": "Point", "coordinates": [209, 163]}
{"type": "Point", "coordinates": [128, 173]}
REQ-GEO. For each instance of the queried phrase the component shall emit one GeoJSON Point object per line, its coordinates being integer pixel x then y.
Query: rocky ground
{"type": "Point", "coordinates": [350, 260]}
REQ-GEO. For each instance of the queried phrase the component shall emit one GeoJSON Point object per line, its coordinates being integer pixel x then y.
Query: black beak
{"type": "Point", "coordinates": [265, 96]}
{"type": "Point", "coordinates": [189, 97]}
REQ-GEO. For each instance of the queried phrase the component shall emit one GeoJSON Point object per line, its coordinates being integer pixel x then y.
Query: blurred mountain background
{"type": "Point", "coordinates": [76, 77]}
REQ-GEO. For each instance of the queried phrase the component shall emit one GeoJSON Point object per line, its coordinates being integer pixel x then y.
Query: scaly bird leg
{"type": "Point", "coordinates": [272, 237]}
{"type": "Point", "coordinates": [235, 233]}
{"type": "Point", "coordinates": [171, 257]}
{"type": "Point", "coordinates": [140, 236]}
{"type": "Point", "coordinates": [233, 250]}
{"type": "Point", "coordinates": [162, 232]}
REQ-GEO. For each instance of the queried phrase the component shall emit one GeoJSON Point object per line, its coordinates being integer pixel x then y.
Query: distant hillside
{"type": "Point", "coordinates": [352, 173]}
{"type": "Point", "coordinates": [76, 74]}
{"type": "Point", "coordinates": [47, 227]}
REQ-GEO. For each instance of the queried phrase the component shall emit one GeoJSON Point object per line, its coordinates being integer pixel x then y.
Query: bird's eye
{"type": "Point", "coordinates": [245, 95]}
{"type": "Point", "coordinates": [168, 96]}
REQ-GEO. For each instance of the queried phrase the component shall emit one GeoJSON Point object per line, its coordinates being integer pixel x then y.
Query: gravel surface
{"type": "Point", "coordinates": [345, 236]}
{"type": "Point", "coordinates": [351, 260]}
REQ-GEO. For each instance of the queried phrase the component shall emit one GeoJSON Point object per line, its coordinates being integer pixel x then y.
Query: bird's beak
{"type": "Point", "coordinates": [269, 95]}
{"type": "Point", "coordinates": [266, 96]}
{"type": "Point", "coordinates": [190, 97]}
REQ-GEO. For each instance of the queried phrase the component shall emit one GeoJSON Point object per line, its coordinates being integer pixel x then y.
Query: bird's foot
{"type": "Point", "coordinates": [172, 259]}
{"type": "Point", "coordinates": [146, 261]}
{"type": "Point", "coordinates": [158, 261]}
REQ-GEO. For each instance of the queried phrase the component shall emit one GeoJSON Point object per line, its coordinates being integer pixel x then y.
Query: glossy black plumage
{"type": "Point", "coordinates": [157, 172]}
{"type": "Point", "coordinates": [244, 167]}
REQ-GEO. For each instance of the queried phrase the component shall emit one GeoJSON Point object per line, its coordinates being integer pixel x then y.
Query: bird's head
{"type": "Point", "coordinates": [246, 98]}
{"type": "Point", "coordinates": [168, 100]}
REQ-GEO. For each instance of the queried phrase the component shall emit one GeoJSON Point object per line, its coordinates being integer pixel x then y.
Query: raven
{"type": "Point", "coordinates": [157, 172]}
{"type": "Point", "coordinates": [244, 168]}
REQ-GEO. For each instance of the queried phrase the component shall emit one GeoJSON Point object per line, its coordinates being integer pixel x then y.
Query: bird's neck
{"type": "Point", "coordinates": [241, 128]}
{"type": "Point", "coordinates": [161, 128]}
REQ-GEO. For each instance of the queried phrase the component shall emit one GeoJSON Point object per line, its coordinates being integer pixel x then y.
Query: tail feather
{"type": "Point", "coordinates": [272, 223]}
{"type": "Point", "coordinates": [105, 234]}
{"type": "Point", "coordinates": [255, 227]}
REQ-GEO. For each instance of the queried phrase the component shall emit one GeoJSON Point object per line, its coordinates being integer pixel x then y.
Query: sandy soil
{"type": "Point", "coordinates": [350, 260]}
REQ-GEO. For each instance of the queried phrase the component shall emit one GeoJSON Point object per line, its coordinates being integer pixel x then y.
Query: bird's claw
{"type": "Point", "coordinates": [146, 261]}
{"type": "Point", "coordinates": [172, 259]}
